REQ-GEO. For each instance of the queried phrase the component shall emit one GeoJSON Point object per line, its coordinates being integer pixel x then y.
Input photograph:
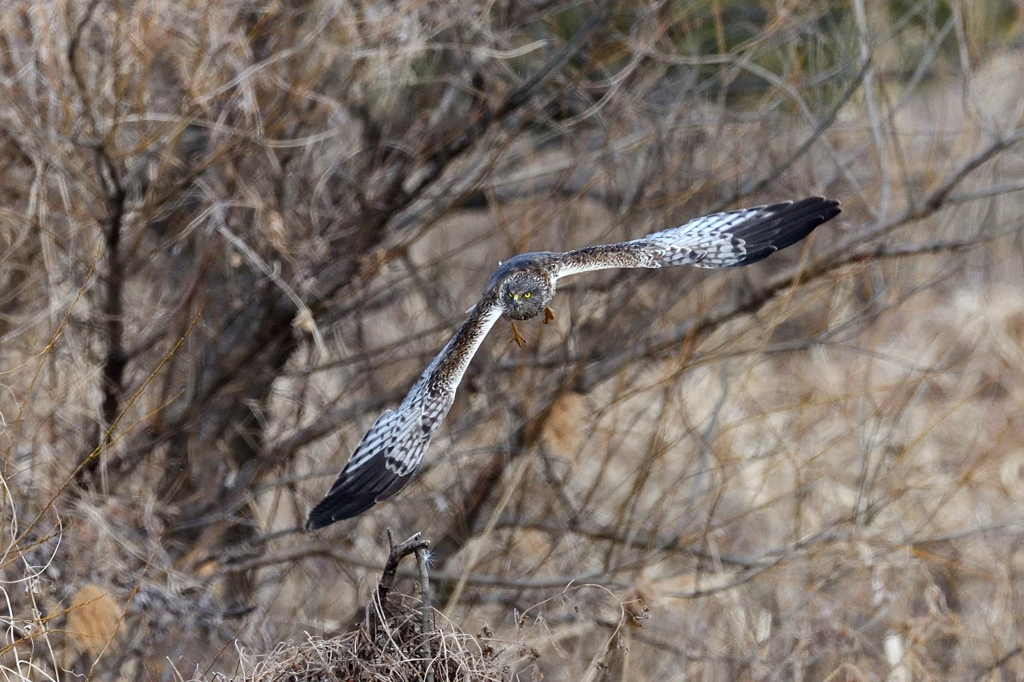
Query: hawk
{"type": "Point", "coordinates": [521, 288]}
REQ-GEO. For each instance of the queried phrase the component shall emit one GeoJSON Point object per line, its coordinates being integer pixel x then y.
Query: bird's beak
{"type": "Point", "coordinates": [515, 297]}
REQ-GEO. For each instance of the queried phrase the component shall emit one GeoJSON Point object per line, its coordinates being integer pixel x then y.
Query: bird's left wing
{"type": "Point", "coordinates": [713, 241]}
{"type": "Point", "coordinates": [391, 451]}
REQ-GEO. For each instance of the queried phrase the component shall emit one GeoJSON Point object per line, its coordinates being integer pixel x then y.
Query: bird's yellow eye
{"type": "Point", "coordinates": [526, 295]}
{"type": "Point", "coordinates": [510, 294]}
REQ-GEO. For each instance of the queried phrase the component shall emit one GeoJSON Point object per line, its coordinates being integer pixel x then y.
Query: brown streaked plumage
{"type": "Point", "coordinates": [522, 287]}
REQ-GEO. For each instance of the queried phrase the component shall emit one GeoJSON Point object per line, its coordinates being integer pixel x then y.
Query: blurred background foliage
{"type": "Point", "coordinates": [234, 232]}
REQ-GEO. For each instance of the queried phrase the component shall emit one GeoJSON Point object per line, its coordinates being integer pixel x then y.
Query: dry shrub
{"type": "Point", "coordinates": [397, 652]}
{"type": "Point", "coordinates": [234, 232]}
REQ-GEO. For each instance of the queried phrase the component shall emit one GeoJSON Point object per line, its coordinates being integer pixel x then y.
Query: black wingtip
{"type": "Point", "coordinates": [355, 493]}
{"type": "Point", "coordinates": [786, 224]}
{"type": "Point", "coordinates": [337, 508]}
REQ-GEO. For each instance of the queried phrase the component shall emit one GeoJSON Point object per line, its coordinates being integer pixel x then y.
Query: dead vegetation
{"type": "Point", "coordinates": [232, 233]}
{"type": "Point", "coordinates": [352, 657]}
{"type": "Point", "coordinates": [398, 640]}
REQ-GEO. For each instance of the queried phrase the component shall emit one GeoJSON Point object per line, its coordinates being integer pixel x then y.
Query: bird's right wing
{"type": "Point", "coordinates": [391, 451]}
{"type": "Point", "coordinates": [380, 466]}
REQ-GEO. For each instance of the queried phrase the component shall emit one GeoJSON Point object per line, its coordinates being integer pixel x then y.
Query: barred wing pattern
{"type": "Point", "coordinates": [745, 236]}
{"type": "Point", "coordinates": [391, 451]}
{"type": "Point", "coordinates": [719, 240]}
{"type": "Point", "coordinates": [382, 463]}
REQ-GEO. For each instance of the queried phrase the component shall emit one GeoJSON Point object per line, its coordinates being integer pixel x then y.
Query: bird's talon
{"type": "Point", "coordinates": [548, 315]}
{"type": "Point", "coordinates": [517, 337]}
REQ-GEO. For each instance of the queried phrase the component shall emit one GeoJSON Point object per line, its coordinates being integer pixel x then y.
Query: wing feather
{"type": "Point", "coordinates": [373, 467]}
{"type": "Point", "coordinates": [718, 240]}
{"type": "Point", "coordinates": [390, 452]}
{"type": "Point", "coordinates": [739, 237]}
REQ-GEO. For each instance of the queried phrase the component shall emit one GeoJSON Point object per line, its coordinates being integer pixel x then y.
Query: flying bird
{"type": "Point", "coordinates": [521, 288]}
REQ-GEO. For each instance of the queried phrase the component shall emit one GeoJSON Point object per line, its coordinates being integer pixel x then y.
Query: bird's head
{"type": "Point", "coordinates": [524, 295]}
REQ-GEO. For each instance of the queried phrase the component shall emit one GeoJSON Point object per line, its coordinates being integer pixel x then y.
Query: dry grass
{"type": "Point", "coordinates": [232, 233]}
{"type": "Point", "coordinates": [396, 653]}
{"type": "Point", "coordinates": [398, 639]}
